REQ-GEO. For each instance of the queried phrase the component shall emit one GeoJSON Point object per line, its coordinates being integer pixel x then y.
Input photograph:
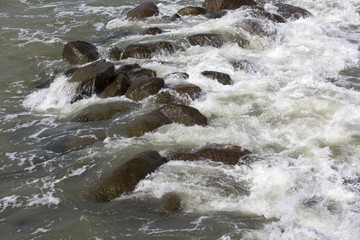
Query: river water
{"type": "Point", "coordinates": [298, 111]}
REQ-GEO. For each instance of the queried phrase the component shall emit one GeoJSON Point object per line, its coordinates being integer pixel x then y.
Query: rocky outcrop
{"type": "Point", "coordinates": [227, 154]}
{"type": "Point", "coordinates": [148, 50]}
{"type": "Point", "coordinates": [99, 112]}
{"type": "Point", "coordinates": [207, 39]}
{"type": "Point", "coordinates": [144, 10]}
{"type": "Point", "coordinates": [125, 177]}
{"type": "Point", "coordinates": [222, 78]}
{"type": "Point", "coordinates": [116, 54]}
{"type": "Point", "coordinates": [117, 88]}
{"type": "Point", "coordinates": [143, 87]}
{"type": "Point", "coordinates": [152, 31]}
{"type": "Point", "coordinates": [80, 52]}
{"type": "Point", "coordinates": [218, 5]}
{"type": "Point", "coordinates": [93, 78]}
{"type": "Point", "coordinates": [192, 11]}
{"type": "Point", "coordinates": [292, 12]}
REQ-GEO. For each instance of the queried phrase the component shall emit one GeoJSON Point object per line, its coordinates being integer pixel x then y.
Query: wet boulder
{"type": "Point", "coordinates": [215, 15]}
{"type": "Point", "coordinates": [100, 112]}
{"type": "Point", "coordinates": [166, 98]}
{"type": "Point", "coordinates": [192, 11]}
{"type": "Point", "coordinates": [183, 114]}
{"type": "Point", "coordinates": [140, 72]}
{"type": "Point", "coordinates": [80, 52]}
{"type": "Point", "coordinates": [116, 54]}
{"type": "Point", "coordinates": [261, 13]}
{"type": "Point", "coordinates": [171, 202]}
{"type": "Point", "coordinates": [125, 177]}
{"type": "Point", "coordinates": [144, 10]}
{"type": "Point", "coordinates": [152, 31]}
{"type": "Point", "coordinates": [187, 90]}
{"type": "Point", "coordinates": [207, 39]}
{"type": "Point", "coordinates": [93, 78]}
{"type": "Point", "coordinates": [222, 78]}
{"type": "Point", "coordinates": [117, 88]}
{"type": "Point", "coordinates": [148, 50]}
{"type": "Point", "coordinates": [218, 5]}
{"type": "Point", "coordinates": [258, 28]}
{"type": "Point", "coordinates": [181, 75]}
{"type": "Point", "coordinates": [143, 87]}
{"type": "Point", "coordinates": [227, 154]}
{"type": "Point", "coordinates": [292, 12]}
{"type": "Point", "coordinates": [175, 17]}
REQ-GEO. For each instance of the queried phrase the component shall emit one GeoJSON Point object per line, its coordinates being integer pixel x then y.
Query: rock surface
{"type": "Point", "coordinates": [125, 177]}
{"type": "Point", "coordinates": [115, 54]}
{"type": "Point", "coordinates": [171, 202]}
{"type": "Point", "coordinates": [80, 52]}
{"type": "Point", "coordinates": [93, 78]}
{"type": "Point", "coordinates": [222, 78]}
{"type": "Point", "coordinates": [257, 27]}
{"type": "Point", "coordinates": [117, 88]}
{"type": "Point", "coordinates": [183, 114]}
{"type": "Point", "coordinates": [192, 11]}
{"type": "Point", "coordinates": [143, 87]}
{"type": "Point", "coordinates": [207, 39]}
{"type": "Point", "coordinates": [152, 31]}
{"type": "Point", "coordinates": [227, 154]}
{"type": "Point", "coordinates": [144, 10]}
{"type": "Point", "coordinates": [292, 12]}
{"type": "Point", "coordinates": [148, 50]}
{"type": "Point", "coordinates": [218, 5]}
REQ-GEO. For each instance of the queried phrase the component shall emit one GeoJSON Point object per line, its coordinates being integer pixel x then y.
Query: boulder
{"type": "Point", "coordinates": [171, 202]}
{"type": "Point", "coordinates": [216, 15]}
{"type": "Point", "coordinates": [152, 31]}
{"type": "Point", "coordinates": [116, 54]}
{"type": "Point", "coordinates": [245, 65]}
{"type": "Point", "coordinates": [222, 78]}
{"type": "Point", "coordinates": [181, 75]}
{"type": "Point", "coordinates": [144, 10]}
{"type": "Point", "coordinates": [99, 112]}
{"type": "Point", "coordinates": [140, 72]}
{"type": "Point", "coordinates": [218, 5]}
{"type": "Point", "coordinates": [175, 17]}
{"type": "Point", "coordinates": [166, 98]}
{"type": "Point", "coordinates": [93, 78]}
{"type": "Point", "coordinates": [79, 52]}
{"type": "Point", "coordinates": [187, 90]}
{"type": "Point", "coordinates": [125, 177]}
{"type": "Point", "coordinates": [227, 154]}
{"type": "Point", "coordinates": [292, 12]}
{"type": "Point", "coordinates": [192, 11]}
{"type": "Point", "coordinates": [183, 114]}
{"type": "Point", "coordinates": [143, 87]}
{"type": "Point", "coordinates": [128, 67]}
{"type": "Point", "coordinates": [148, 50]}
{"type": "Point", "coordinates": [257, 27]}
{"type": "Point", "coordinates": [207, 39]}
{"type": "Point", "coordinates": [143, 124]}
{"type": "Point", "coordinates": [261, 13]}
{"type": "Point", "coordinates": [117, 88]}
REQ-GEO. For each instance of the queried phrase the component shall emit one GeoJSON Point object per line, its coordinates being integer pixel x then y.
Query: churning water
{"type": "Point", "coordinates": [297, 110]}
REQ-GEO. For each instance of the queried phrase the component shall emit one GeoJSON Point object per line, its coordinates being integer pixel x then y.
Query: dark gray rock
{"type": "Point", "coordinates": [292, 12]}
{"type": "Point", "coordinates": [258, 28]}
{"type": "Point", "coordinates": [207, 39]}
{"type": "Point", "coordinates": [152, 31]}
{"type": "Point", "coordinates": [192, 11]}
{"type": "Point", "coordinates": [144, 10]}
{"type": "Point", "coordinates": [222, 78]}
{"type": "Point", "coordinates": [80, 52]}
{"type": "Point", "coordinates": [141, 88]}
{"type": "Point", "coordinates": [183, 114]}
{"type": "Point", "coordinates": [116, 54]}
{"type": "Point", "coordinates": [117, 88]}
{"type": "Point", "coordinates": [148, 50]}
{"type": "Point", "coordinates": [218, 5]}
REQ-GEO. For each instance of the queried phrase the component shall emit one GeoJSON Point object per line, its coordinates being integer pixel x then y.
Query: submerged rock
{"type": "Point", "coordinates": [218, 5]}
{"type": "Point", "coordinates": [148, 50]}
{"type": "Point", "coordinates": [152, 31]}
{"type": "Point", "coordinates": [245, 65]}
{"type": "Point", "coordinates": [182, 75]}
{"type": "Point", "coordinates": [261, 13]}
{"type": "Point", "coordinates": [207, 39]}
{"type": "Point", "coordinates": [144, 10]}
{"type": "Point", "coordinates": [222, 78]}
{"type": "Point", "coordinates": [292, 12]}
{"type": "Point", "coordinates": [117, 88]}
{"type": "Point", "coordinates": [192, 11]}
{"type": "Point", "coordinates": [171, 202]}
{"type": "Point", "coordinates": [258, 28]}
{"type": "Point", "coordinates": [93, 78]}
{"type": "Point", "coordinates": [143, 87]}
{"type": "Point", "coordinates": [125, 177]}
{"type": "Point", "coordinates": [227, 154]}
{"type": "Point", "coordinates": [116, 54]}
{"type": "Point", "coordinates": [80, 52]}
{"type": "Point", "coordinates": [180, 94]}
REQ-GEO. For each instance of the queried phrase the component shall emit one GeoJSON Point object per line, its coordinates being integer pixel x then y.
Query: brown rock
{"type": "Point", "coordinates": [165, 98]}
{"type": "Point", "coordinates": [183, 114]}
{"type": "Point", "coordinates": [141, 88]}
{"type": "Point", "coordinates": [192, 11]}
{"type": "Point", "coordinates": [175, 17]}
{"type": "Point", "coordinates": [171, 202]}
{"type": "Point", "coordinates": [258, 28]}
{"type": "Point", "coordinates": [147, 9]}
{"type": "Point", "coordinates": [218, 5]}
{"type": "Point", "coordinates": [117, 88]}
{"type": "Point", "coordinates": [79, 52]}
{"type": "Point", "coordinates": [187, 90]}
{"type": "Point", "coordinates": [222, 78]}
{"type": "Point", "coordinates": [115, 54]}
{"type": "Point", "coordinates": [141, 72]}
{"type": "Point", "coordinates": [148, 50]}
{"type": "Point", "coordinates": [291, 12]}
{"type": "Point", "coordinates": [207, 39]}
{"type": "Point", "coordinates": [152, 31]}
{"type": "Point", "coordinates": [227, 154]}
{"type": "Point", "coordinates": [125, 177]}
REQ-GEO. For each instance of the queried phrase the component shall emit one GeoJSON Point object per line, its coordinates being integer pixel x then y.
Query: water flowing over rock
{"type": "Point", "coordinates": [116, 54]}
{"type": "Point", "coordinates": [192, 11]}
{"type": "Point", "coordinates": [258, 28]}
{"type": "Point", "coordinates": [180, 94]}
{"type": "Point", "coordinates": [80, 52]}
{"type": "Point", "coordinates": [143, 87]}
{"type": "Point", "coordinates": [292, 12]}
{"type": "Point", "coordinates": [181, 75]}
{"type": "Point", "coordinates": [218, 5]}
{"type": "Point", "coordinates": [260, 13]}
{"type": "Point", "coordinates": [125, 177]}
{"type": "Point", "coordinates": [117, 88]}
{"type": "Point", "coordinates": [222, 78]}
{"type": "Point", "coordinates": [227, 154]}
{"type": "Point", "coordinates": [148, 50]}
{"type": "Point", "coordinates": [144, 10]}
{"type": "Point", "coordinates": [93, 78]}
{"type": "Point", "coordinates": [171, 202]}
{"type": "Point", "coordinates": [207, 39]}
{"type": "Point", "coordinates": [152, 31]}
{"type": "Point", "coordinates": [246, 65]}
